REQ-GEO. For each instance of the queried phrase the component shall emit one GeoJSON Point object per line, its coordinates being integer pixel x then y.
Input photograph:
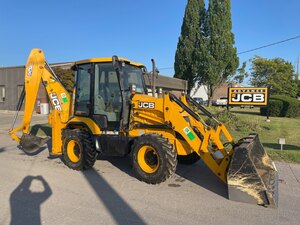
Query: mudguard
{"type": "Point", "coordinates": [252, 176]}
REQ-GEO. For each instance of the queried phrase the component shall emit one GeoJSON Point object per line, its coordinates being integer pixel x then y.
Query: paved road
{"type": "Point", "coordinates": [38, 190]}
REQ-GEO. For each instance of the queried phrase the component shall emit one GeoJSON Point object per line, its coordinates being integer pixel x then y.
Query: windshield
{"type": "Point", "coordinates": [107, 93]}
{"type": "Point", "coordinates": [133, 75]}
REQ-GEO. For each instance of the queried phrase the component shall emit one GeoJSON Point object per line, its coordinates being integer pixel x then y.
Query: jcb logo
{"type": "Point", "coordinates": [248, 98]}
{"type": "Point", "coordinates": [147, 105]}
{"type": "Point", "coordinates": [55, 101]}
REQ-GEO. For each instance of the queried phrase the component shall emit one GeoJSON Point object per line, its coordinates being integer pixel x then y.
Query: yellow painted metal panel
{"type": "Point", "coordinates": [107, 59]}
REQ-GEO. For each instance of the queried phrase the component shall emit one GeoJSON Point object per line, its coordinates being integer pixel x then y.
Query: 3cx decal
{"type": "Point", "coordinates": [146, 105]}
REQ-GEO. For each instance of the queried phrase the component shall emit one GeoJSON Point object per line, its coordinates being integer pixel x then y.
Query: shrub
{"type": "Point", "coordinates": [291, 106]}
{"type": "Point", "coordinates": [234, 123]}
{"type": "Point", "coordinates": [283, 106]}
{"type": "Point", "coordinates": [275, 108]}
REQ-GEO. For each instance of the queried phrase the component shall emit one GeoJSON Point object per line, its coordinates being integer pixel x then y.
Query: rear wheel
{"type": "Point", "coordinates": [78, 149]}
{"type": "Point", "coordinates": [153, 158]}
{"type": "Point", "coordinates": [188, 159]}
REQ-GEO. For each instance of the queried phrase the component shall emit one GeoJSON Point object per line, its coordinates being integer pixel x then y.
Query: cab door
{"type": "Point", "coordinates": [82, 105]}
{"type": "Point", "coordinates": [107, 95]}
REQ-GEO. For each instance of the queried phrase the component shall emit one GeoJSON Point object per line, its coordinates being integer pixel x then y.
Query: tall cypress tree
{"type": "Point", "coordinates": [220, 55]}
{"type": "Point", "coordinates": [185, 63]}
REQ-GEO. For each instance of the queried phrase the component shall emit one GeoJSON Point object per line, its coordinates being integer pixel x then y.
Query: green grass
{"type": "Point", "coordinates": [247, 120]}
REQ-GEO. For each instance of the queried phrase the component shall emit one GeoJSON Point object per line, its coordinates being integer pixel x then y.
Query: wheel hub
{"type": "Point", "coordinates": [73, 151]}
{"type": "Point", "coordinates": [151, 158]}
{"type": "Point", "coordinates": [148, 159]}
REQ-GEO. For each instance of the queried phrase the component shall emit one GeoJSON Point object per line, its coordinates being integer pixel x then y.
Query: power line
{"type": "Point", "coordinates": [251, 50]}
{"type": "Point", "coordinates": [166, 68]}
{"type": "Point", "coordinates": [265, 46]}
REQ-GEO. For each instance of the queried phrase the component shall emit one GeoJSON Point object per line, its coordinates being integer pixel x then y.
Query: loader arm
{"type": "Point", "coordinates": [245, 167]}
{"type": "Point", "coordinates": [38, 70]}
{"type": "Point", "coordinates": [207, 141]}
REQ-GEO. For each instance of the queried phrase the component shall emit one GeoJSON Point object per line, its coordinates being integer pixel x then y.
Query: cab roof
{"type": "Point", "coordinates": [107, 59]}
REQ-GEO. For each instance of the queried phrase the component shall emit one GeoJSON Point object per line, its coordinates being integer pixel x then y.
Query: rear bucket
{"type": "Point", "coordinates": [252, 176]}
{"type": "Point", "coordinates": [30, 143]}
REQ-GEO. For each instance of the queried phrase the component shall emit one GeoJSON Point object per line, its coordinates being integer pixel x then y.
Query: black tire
{"type": "Point", "coordinates": [83, 154]}
{"type": "Point", "coordinates": [153, 158]}
{"type": "Point", "coordinates": [188, 159]}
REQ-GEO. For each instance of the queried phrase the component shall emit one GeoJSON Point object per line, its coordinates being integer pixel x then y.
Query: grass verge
{"type": "Point", "coordinates": [241, 122]}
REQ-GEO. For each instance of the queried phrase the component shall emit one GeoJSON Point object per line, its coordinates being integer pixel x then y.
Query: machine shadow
{"type": "Point", "coordinates": [115, 204]}
{"type": "Point", "coordinates": [2, 150]}
{"type": "Point", "coordinates": [25, 204]}
{"type": "Point", "coordinates": [38, 151]}
{"type": "Point", "coordinates": [122, 163]}
{"type": "Point", "coordinates": [200, 174]}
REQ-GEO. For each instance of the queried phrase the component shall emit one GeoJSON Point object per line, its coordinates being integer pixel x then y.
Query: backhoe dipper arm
{"type": "Point", "coordinates": [37, 70]}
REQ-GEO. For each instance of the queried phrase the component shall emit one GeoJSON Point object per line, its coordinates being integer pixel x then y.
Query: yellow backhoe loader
{"type": "Point", "coordinates": [110, 113]}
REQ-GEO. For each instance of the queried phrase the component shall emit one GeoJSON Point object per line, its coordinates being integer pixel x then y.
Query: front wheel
{"type": "Point", "coordinates": [153, 158]}
{"type": "Point", "coordinates": [78, 149]}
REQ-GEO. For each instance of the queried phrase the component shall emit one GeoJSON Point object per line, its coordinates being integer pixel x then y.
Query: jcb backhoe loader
{"type": "Point", "coordinates": [111, 114]}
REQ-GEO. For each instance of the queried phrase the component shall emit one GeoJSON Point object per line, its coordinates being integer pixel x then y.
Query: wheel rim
{"type": "Point", "coordinates": [148, 159]}
{"type": "Point", "coordinates": [73, 151]}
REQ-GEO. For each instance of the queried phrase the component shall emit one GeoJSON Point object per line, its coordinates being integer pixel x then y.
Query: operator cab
{"type": "Point", "coordinates": [103, 90]}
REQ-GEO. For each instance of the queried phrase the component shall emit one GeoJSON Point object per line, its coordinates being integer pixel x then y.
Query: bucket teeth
{"type": "Point", "coordinates": [31, 143]}
{"type": "Point", "coordinates": [252, 176]}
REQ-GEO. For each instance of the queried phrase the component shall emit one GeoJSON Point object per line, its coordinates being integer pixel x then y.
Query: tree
{"type": "Point", "coordinates": [241, 74]}
{"type": "Point", "coordinates": [298, 92]}
{"type": "Point", "coordinates": [277, 74]}
{"type": "Point", "coordinates": [219, 58]}
{"type": "Point", "coordinates": [66, 76]}
{"type": "Point", "coordinates": [185, 64]}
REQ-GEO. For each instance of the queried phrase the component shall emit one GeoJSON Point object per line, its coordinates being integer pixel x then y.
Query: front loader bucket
{"type": "Point", "coordinates": [31, 143]}
{"type": "Point", "coordinates": [252, 176]}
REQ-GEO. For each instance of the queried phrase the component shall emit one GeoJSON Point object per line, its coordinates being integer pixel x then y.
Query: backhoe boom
{"type": "Point", "coordinates": [38, 70]}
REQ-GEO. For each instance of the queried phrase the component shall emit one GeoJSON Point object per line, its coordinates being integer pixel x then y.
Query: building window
{"type": "Point", "coordinates": [20, 88]}
{"type": "Point", "coordinates": [2, 93]}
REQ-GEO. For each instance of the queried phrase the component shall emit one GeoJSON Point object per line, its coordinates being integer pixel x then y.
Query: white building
{"type": "Point", "coordinates": [200, 92]}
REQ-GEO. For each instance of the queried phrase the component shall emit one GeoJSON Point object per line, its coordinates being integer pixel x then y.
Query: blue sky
{"type": "Point", "coordinates": [138, 30]}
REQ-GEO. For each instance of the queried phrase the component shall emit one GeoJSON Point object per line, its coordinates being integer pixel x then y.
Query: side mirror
{"type": "Point", "coordinates": [115, 62]}
{"type": "Point", "coordinates": [144, 70]}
